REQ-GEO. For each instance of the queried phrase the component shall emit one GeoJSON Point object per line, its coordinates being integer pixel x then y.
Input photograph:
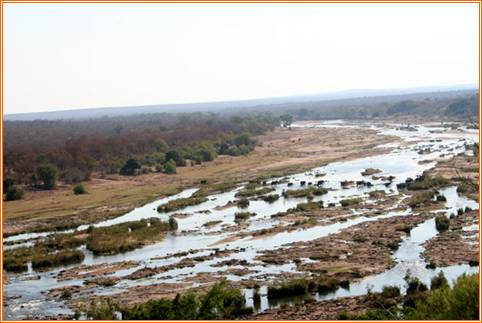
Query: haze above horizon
{"type": "Point", "coordinates": [71, 56]}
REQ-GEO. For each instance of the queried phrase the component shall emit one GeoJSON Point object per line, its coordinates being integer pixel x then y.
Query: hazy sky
{"type": "Point", "coordinates": [61, 56]}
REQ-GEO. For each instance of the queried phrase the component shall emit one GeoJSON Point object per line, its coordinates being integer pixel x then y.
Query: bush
{"type": "Point", "coordinates": [426, 182]}
{"type": "Point", "coordinates": [169, 167]}
{"type": "Point", "coordinates": [243, 203]}
{"type": "Point", "coordinates": [49, 175]}
{"type": "Point", "coordinates": [79, 189]}
{"type": "Point", "coordinates": [173, 226]}
{"type": "Point", "coordinates": [458, 303]}
{"type": "Point", "coordinates": [439, 281]}
{"type": "Point", "coordinates": [442, 223]}
{"type": "Point", "coordinates": [130, 168]}
{"type": "Point", "coordinates": [220, 302]}
{"type": "Point", "coordinates": [14, 193]}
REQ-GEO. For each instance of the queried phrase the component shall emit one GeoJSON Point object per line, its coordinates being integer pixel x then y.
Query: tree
{"type": "Point", "coordinates": [49, 175]}
{"type": "Point", "coordinates": [286, 120]}
{"type": "Point", "coordinates": [170, 167]}
{"type": "Point", "coordinates": [130, 167]}
{"type": "Point", "coordinates": [160, 145]}
{"type": "Point", "coordinates": [7, 183]}
{"type": "Point", "coordinates": [79, 189]}
{"type": "Point", "coordinates": [174, 155]}
{"type": "Point", "coordinates": [14, 193]}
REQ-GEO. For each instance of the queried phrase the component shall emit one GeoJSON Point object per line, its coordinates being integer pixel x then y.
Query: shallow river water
{"type": "Point", "coordinates": [25, 293]}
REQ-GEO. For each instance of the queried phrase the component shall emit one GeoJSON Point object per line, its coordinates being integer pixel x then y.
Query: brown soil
{"type": "Point", "coordinates": [94, 271]}
{"type": "Point", "coordinates": [311, 310]}
{"type": "Point", "coordinates": [359, 251]}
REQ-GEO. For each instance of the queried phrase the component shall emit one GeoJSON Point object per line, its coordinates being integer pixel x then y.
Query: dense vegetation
{"type": "Point", "coordinates": [220, 302]}
{"type": "Point", "coordinates": [38, 153]}
{"type": "Point", "coordinates": [61, 249]}
{"type": "Point", "coordinates": [441, 302]}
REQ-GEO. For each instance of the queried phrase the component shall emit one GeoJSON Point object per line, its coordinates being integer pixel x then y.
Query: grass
{"type": "Point", "coordinates": [181, 203]}
{"type": "Point", "coordinates": [305, 192]}
{"type": "Point", "coordinates": [421, 199]}
{"type": "Point", "coordinates": [350, 202]}
{"type": "Point", "coordinates": [212, 223]}
{"type": "Point", "coordinates": [61, 258]}
{"type": "Point", "coordinates": [126, 236]}
{"type": "Point", "coordinates": [254, 192]}
{"type": "Point", "coordinates": [308, 206]}
{"type": "Point", "coordinates": [370, 171]}
{"type": "Point", "coordinates": [42, 253]}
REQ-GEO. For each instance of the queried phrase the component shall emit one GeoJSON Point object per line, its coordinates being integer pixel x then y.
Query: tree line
{"type": "Point", "coordinates": [39, 153]}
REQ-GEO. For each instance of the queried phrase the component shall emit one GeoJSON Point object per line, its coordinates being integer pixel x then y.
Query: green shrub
{"type": "Point", "coordinates": [169, 167]}
{"type": "Point", "coordinates": [243, 216]}
{"type": "Point", "coordinates": [173, 224]}
{"type": "Point", "coordinates": [14, 193]}
{"type": "Point", "coordinates": [426, 182]}
{"type": "Point", "coordinates": [442, 222]}
{"type": "Point", "coordinates": [48, 174]}
{"type": "Point", "coordinates": [370, 171]}
{"type": "Point", "coordinates": [461, 302]}
{"type": "Point", "coordinates": [220, 302]}
{"type": "Point", "coordinates": [79, 189]}
{"type": "Point", "coordinates": [439, 281]}
{"type": "Point", "coordinates": [243, 203]}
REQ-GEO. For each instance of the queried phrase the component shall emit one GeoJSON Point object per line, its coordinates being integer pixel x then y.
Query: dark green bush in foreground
{"type": "Point", "coordinates": [221, 302]}
{"type": "Point", "coordinates": [461, 302]}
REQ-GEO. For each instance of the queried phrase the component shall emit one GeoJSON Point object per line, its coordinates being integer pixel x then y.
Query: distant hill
{"type": "Point", "coordinates": [340, 99]}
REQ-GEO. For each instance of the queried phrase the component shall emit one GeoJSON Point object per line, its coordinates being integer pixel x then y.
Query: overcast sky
{"type": "Point", "coordinates": [62, 56]}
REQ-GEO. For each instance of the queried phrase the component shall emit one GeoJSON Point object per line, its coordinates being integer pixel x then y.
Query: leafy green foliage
{"type": "Point", "coordinates": [79, 189]}
{"type": "Point", "coordinates": [49, 175]}
{"type": "Point", "coordinates": [220, 302]}
{"type": "Point", "coordinates": [130, 167]}
{"type": "Point", "coordinates": [127, 236]}
{"type": "Point", "coordinates": [14, 193]}
{"type": "Point", "coordinates": [442, 223]}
